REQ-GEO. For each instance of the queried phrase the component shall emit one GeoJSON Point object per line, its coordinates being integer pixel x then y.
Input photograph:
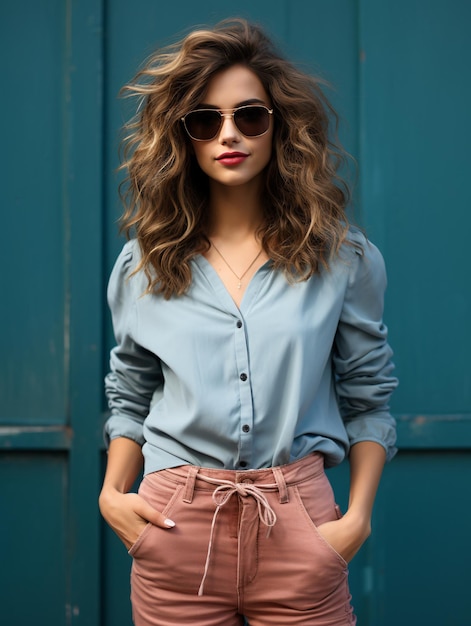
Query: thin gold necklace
{"type": "Point", "coordinates": [239, 278]}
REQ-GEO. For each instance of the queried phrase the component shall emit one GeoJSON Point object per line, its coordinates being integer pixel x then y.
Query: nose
{"type": "Point", "coordinates": [228, 131]}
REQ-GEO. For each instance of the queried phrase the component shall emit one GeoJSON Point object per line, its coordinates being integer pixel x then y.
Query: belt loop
{"type": "Point", "coordinates": [280, 481]}
{"type": "Point", "coordinates": [190, 484]}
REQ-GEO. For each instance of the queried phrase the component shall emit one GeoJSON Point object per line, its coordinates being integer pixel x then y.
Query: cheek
{"type": "Point", "coordinates": [199, 153]}
{"type": "Point", "coordinates": [267, 150]}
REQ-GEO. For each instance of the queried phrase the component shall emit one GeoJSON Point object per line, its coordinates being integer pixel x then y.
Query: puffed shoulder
{"type": "Point", "coordinates": [356, 239]}
{"type": "Point", "coordinates": [122, 281]}
{"type": "Point", "coordinates": [130, 253]}
{"type": "Point", "coordinates": [364, 259]}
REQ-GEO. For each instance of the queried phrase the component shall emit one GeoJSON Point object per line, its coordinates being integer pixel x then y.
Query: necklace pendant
{"type": "Point", "coordinates": [239, 278]}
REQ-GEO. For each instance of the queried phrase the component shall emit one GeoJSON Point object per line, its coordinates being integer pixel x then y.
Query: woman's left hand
{"type": "Point", "coordinates": [345, 535]}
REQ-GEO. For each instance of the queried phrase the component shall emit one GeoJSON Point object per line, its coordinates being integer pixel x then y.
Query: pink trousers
{"type": "Point", "coordinates": [245, 543]}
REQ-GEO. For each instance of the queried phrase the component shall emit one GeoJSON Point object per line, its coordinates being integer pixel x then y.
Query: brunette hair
{"type": "Point", "coordinates": [165, 193]}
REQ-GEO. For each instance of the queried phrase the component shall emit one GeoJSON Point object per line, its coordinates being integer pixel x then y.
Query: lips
{"type": "Point", "coordinates": [232, 158]}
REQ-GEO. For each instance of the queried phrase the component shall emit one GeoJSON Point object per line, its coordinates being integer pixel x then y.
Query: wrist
{"type": "Point", "coordinates": [107, 494]}
{"type": "Point", "coordinates": [359, 520]}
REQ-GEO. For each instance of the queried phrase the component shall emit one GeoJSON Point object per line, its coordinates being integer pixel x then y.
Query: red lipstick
{"type": "Point", "coordinates": [232, 158]}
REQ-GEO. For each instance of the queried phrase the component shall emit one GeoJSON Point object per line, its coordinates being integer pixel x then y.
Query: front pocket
{"type": "Point", "coordinates": [140, 538]}
{"type": "Point", "coordinates": [313, 519]}
{"type": "Point", "coordinates": [162, 500]}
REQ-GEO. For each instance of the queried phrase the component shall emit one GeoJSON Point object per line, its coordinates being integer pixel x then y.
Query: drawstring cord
{"type": "Point", "coordinates": [222, 494]}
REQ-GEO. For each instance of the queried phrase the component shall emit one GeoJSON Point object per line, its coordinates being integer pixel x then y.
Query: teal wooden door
{"type": "Point", "coordinates": [399, 70]}
{"type": "Point", "coordinates": [415, 133]}
{"type": "Point", "coordinates": [51, 312]}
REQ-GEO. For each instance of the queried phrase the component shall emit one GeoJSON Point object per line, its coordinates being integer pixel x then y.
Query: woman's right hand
{"type": "Point", "coordinates": [128, 514]}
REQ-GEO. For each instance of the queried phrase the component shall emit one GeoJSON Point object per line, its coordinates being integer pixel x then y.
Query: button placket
{"type": "Point", "coordinates": [245, 394]}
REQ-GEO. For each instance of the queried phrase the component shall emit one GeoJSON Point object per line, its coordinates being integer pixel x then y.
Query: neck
{"type": "Point", "coordinates": [234, 212]}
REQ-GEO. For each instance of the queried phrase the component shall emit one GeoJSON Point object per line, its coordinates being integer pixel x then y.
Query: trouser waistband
{"type": "Point", "coordinates": [272, 478]}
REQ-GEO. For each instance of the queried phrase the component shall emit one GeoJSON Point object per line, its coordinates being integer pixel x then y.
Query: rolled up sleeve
{"type": "Point", "coordinates": [135, 373]}
{"type": "Point", "coordinates": [362, 356]}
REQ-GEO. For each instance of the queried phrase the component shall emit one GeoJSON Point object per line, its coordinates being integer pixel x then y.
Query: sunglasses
{"type": "Point", "coordinates": [205, 124]}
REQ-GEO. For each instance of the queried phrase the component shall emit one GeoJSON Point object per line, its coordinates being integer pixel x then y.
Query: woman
{"type": "Point", "coordinates": [251, 352]}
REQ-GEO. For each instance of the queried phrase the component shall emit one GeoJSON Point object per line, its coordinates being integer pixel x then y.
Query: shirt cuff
{"type": "Point", "coordinates": [381, 430]}
{"type": "Point", "coordinates": [120, 426]}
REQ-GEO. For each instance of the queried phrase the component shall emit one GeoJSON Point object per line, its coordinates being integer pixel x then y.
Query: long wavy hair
{"type": "Point", "coordinates": [165, 193]}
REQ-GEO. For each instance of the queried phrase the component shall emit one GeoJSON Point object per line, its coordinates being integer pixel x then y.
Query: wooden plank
{"type": "Point", "coordinates": [33, 367]}
{"type": "Point", "coordinates": [32, 538]}
{"type": "Point", "coordinates": [434, 432]}
{"type": "Point", "coordinates": [83, 198]}
{"type": "Point", "coordinates": [421, 543]}
{"type": "Point", "coordinates": [415, 137]}
{"type": "Point", "coordinates": [35, 438]}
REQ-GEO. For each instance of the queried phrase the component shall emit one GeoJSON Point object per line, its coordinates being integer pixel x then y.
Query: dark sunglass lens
{"type": "Point", "coordinates": [252, 120]}
{"type": "Point", "coordinates": [203, 124]}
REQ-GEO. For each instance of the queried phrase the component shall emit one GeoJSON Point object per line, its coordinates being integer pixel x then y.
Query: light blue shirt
{"type": "Point", "coordinates": [300, 367]}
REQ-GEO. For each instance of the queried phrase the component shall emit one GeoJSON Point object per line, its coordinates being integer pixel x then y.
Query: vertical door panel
{"type": "Point", "coordinates": [33, 516]}
{"type": "Point", "coordinates": [416, 133]}
{"type": "Point", "coordinates": [51, 312]}
{"type": "Point", "coordinates": [32, 380]}
{"type": "Point", "coordinates": [421, 545]}
{"type": "Point", "coordinates": [415, 129]}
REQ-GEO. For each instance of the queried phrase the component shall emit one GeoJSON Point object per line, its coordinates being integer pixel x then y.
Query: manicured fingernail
{"type": "Point", "coordinates": [169, 523]}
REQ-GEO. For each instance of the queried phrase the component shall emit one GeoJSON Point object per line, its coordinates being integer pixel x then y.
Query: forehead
{"type": "Point", "coordinates": [234, 85]}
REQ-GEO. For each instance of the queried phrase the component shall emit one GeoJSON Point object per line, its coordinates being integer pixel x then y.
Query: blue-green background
{"type": "Point", "coordinates": [400, 79]}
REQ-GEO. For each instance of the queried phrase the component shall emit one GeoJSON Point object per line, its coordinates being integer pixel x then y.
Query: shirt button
{"type": "Point", "coordinates": [246, 428]}
{"type": "Point", "coordinates": [243, 376]}
{"type": "Point", "coordinates": [239, 324]}
{"type": "Point", "coordinates": [243, 464]}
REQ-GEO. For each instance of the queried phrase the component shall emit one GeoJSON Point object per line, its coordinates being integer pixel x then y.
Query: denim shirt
{"type": "Point", "coordinates": [299, 367]}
